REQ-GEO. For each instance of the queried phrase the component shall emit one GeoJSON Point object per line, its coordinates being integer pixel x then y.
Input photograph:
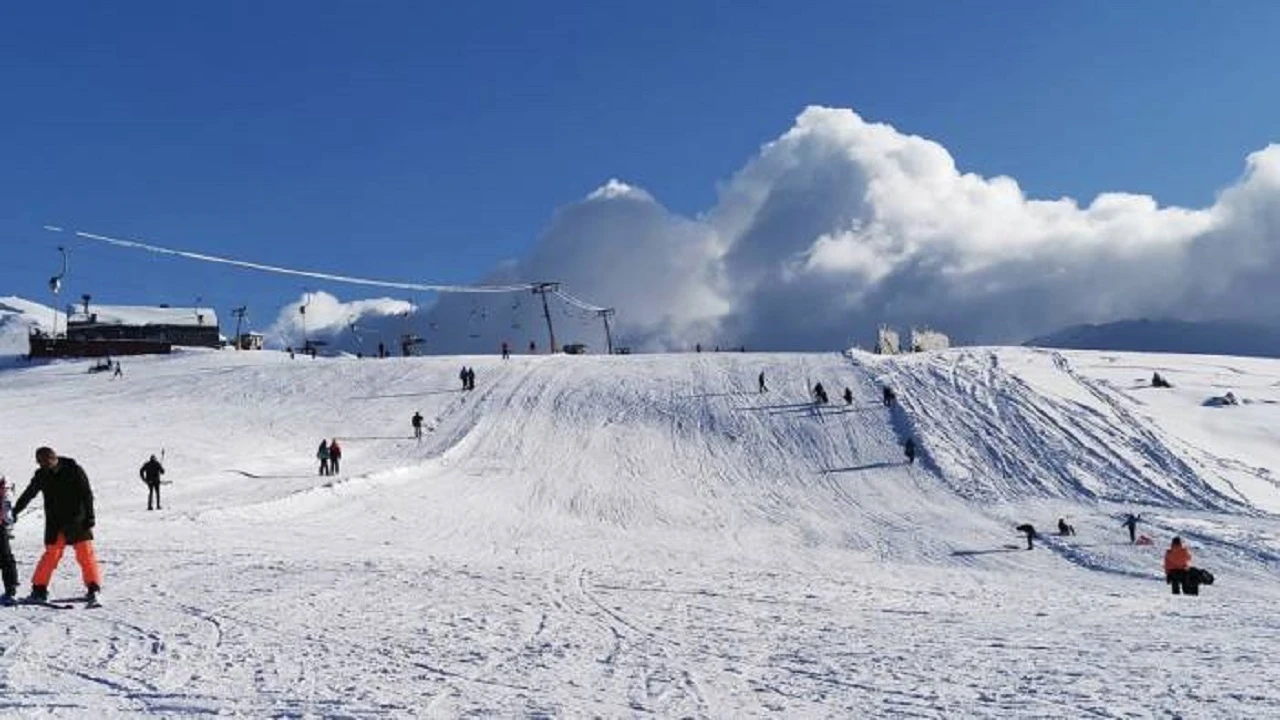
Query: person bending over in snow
{"type": "Point", "coordinates": [150, 473]}
{"type": "Point", "coordinates": [8, 568]}
{"type": "Point", "coordinates": [68, 520]}
{"type": "Point", "coordinates": [1029, 531]}
{"type": "Point", "coordinates": [1177, 568]}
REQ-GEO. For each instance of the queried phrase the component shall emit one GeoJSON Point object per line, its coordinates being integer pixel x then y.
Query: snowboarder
{"type": "Point", "coordinates": [1177, 567]}
{"type": "Point", "coordinates": [1064, 528]}
{"type": "Point", "coordinates": [887, 396]}
{"type": "Point", "coordinates": [150, 473]}
{"type": "Point", "coordinates": [68, 520]}
{"type": "Point", "coordinates": [909, 449]}
{"type": "Point", "coordinates": [1029, 531]}
{"type": "Point", "coordinates": [322, 454]}
{"type": "Point", "coordinates": [8, 568]}
{"type": "Point", "coordinates": [1131, 522]}
{"type": "Point", "coordinates": [417, 425]}
{"type": "Point", "coordinates": [848, 396]}
{"type": "Point", "coordinates": [335, 456]}
{"type": "Point", "coordinates": [506, 350]}
{"type": "Point", "coordinates": [760, 381]}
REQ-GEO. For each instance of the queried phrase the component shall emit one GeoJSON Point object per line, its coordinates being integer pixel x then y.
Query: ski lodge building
{"type": "Point", "coordinates": [106, 330]}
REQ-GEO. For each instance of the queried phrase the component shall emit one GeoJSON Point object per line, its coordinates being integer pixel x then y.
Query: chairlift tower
{"type": "Point", "coordinates": [239, 313]}
{"type": "Point", "coordinates": [605, 314]}
{"type": "Point", "coordinates": [542, 289]}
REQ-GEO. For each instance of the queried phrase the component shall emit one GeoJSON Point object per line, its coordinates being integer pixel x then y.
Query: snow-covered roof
{"type": "Point", "coordinates": [142, 315]}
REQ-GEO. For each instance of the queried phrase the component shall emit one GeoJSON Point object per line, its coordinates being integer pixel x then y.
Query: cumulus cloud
{"type": "Point", "coordinates": [356, 326]}
{"type": "Point", "coordinates": [841, 224]}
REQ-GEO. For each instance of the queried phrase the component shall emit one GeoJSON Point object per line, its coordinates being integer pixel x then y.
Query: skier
{"type": "Point", "coordinates": [909, 449]}
{"type": "Point", "coordinates": [119, 373]}
{"type": "Point", "coordinates": [1029, 531]}
{"type": "Point", "coordinates": [1131, 522]}
{"type": "Point", "coordinates": [506, 350]}
{"type": "Point", "coordinates": [1177, 567]}
{"type": "Point", "coordinates": [760, 381]}
{"type": "Point", "coordinates": [322, 453]}
{"type": "Point", "coordinates": [471, 378]}
{"type": "Point", "coordinates": [848, 396]}
{"type": "Point", "coordinates": [462, 375]}
{"type": "Point", "coordinates": [1064, 528]}
{"type": "Point", "coordinates": [335, 456]}
{"type": "Point", "coordinates": [887, 396]}
{"type": "Point", "coordinates": [8, 568]}
{"type": "Point", "coordinates": [68, 520]}
{"type": "Point", "coordinates": [417, 425]}
{"type": "Point", "coordinates": [150, 473]}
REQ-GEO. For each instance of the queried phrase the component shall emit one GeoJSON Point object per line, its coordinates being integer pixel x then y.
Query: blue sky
{"type": "Point", "coordinates": [431, 141]}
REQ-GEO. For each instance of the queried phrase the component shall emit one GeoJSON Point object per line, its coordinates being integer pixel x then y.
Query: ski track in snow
{"type": "Point", "coordinates": [647, 535]}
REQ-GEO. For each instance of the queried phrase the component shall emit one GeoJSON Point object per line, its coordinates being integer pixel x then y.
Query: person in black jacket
{"type": "Point", "coordinates": [68, 520]}
{"type": "Point", "coordinates": [1030, 532]}
{"type": "Point", "coordinates": [150, 473]}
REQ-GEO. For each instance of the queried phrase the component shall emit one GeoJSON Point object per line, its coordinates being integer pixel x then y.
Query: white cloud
{"type": "Point", "coordinates": [840, 224]}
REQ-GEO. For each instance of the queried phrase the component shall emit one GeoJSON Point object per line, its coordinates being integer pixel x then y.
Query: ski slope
{"type": "Point", "coordinates": [647, 535]}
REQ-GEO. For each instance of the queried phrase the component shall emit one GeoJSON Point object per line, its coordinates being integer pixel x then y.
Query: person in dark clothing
{"type": "Point", "coordinates": [1030, 532]}
{"type": "Point", "coordinates": [68, 520]}
{"type": "Point", "coordinates": [417, 425]}
{"type": "Point", "coordinates": [848, 396]}
{"type": "Point", "coordinates": [150, 473]}
{"type": "Point", "coordinates": [819, 394]}
{"type": "Point", "coordinates": [1131, 522]}
{"type": "Point", "coordinates": [533, 347]}
{"type": "Point", "coordinates": [462, 375]}
{"type": "Point", "coordinates": [909, 449]}
{"type": "Point", "coordinates": [1064, 528]}
{"type": "Point", "coordinates": [1158, 381]}
{"type": "Point", "coordinates": [887, 396]}
{"type": "Point", "coordinates": [760, 381]}
{"type": "Point", "coordinates": [335, 457]}
{"type": "Point", "coordinates": [506, 350]}
{"type": "Point", "coordinates": [8, 567]}
{"type": "Point", "coordinates": [322, 454]}
{"type": "Point", "coordinates": [471, 378]}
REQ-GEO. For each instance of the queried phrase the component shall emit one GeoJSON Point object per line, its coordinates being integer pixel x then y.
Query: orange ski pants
{"type": "Point", "coordinates": [53, 555]}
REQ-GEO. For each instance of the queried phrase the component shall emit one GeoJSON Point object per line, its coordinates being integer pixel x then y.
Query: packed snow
{"type": "Point", "coordinates": [650, 535]}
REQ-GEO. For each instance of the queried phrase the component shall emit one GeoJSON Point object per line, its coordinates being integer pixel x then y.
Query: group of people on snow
{"type": "Point", "coordinates": [330, 456]}
{"type": "Point", "coordinates": [468, 377]}
{"type": "Point", "coordinates": [1180, 574]}
{"type": "Point", "coordinates": [68, 520]}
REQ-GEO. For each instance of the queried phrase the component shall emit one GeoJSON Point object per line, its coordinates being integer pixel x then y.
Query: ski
{"type": "Point", "coordinates": [46, 603]}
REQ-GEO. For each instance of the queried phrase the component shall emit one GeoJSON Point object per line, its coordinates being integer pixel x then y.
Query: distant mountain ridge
{"type": "Point", "coordinates": [1248, 338]}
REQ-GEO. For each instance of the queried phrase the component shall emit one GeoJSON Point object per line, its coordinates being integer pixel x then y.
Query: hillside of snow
{"type": "Point", "coordinates": [17, 318]}
{"type": "Point", "coordinates": [649, 535]}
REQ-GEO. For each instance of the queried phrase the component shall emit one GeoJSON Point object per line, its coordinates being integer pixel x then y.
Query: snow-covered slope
{"type": "Point", "coordinates": [649, 535]}
{"type": "Point", "coordinates": [17, 317]}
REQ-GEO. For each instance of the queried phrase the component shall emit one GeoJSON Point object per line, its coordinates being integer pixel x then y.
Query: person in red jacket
{"type": "Point", "coordinates": [68, 520]}
{"type": "Point", "coordinates": [1177, 567]}
{"type": "Point", "coordinates": [335, 456]}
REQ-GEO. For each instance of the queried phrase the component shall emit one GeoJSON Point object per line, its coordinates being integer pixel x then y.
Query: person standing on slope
{"type": "Point", "coordinates": [1131, 522]}
{"type": "Point", "coordinates": [760, 381]}
{"type": "Point", "coordinates": [150, 473]}
{"type": "Point", "coordinates": [506, 350]}
{"type": "Point", "coordinates": [1177, 568]}
{"type": "Point", "coordinates": [68, 520]}
{"type": "Point", "coordinates": [1064, 528]}
{"type": "Point", "coordinates": [8, 567]}
{"type": "Point", "coordinates": [887, 396]}
{"type": "Point", "coordinates": [417, 425]}
{"type": "Point", "coordinates": [848, 396]}
{"type": "Point", "coordinates": [322, 454]}
{"type": "Point", "coordinates": [909, 449]}
{"type": "Point", "coordinates": [335, 457]}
